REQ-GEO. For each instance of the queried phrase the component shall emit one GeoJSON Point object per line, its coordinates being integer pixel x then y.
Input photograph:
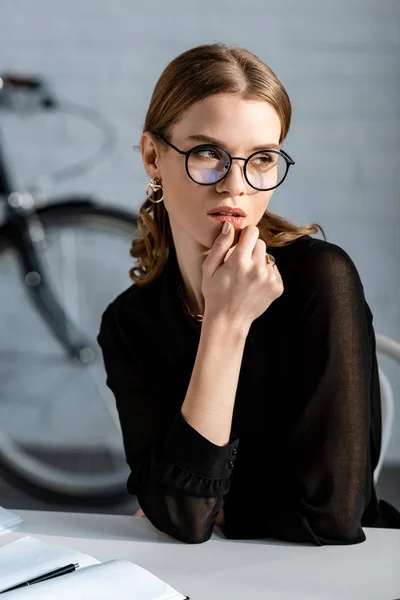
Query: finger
{"type": "Point", "coordinates": [260, 252]}
{"type": "Point", "coordinates": [247, 243]}
{"type": "Point", "coordinates": [219, 249]}
{"type": "Point", "coordinates": [227, 255]}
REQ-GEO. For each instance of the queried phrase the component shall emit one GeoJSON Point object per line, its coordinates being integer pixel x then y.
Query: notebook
{"type": "Point", "coordinates": [29, 557]}
{"type": "Point", "coordinates": [8, 520]}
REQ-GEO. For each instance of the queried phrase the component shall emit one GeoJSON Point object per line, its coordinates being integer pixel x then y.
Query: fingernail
{"type": "Point", "coordinates": [226, 227]}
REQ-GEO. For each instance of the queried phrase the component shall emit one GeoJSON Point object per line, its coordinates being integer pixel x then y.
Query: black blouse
{"type": "Point", "coordinates": [306, 428]}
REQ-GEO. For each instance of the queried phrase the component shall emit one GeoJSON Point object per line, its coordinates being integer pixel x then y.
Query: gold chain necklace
{"type": "Point", "coordinates": [186, 309]}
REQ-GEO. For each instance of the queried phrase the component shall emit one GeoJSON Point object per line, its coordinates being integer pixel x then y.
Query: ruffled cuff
{"type": "Point", "coordinates": [186, 447]}
{"type": "Point", "coordinates": [193, 485]}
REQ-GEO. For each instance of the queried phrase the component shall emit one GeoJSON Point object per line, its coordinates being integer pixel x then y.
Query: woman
{"type": "Point", "coordinates": [246, 382]}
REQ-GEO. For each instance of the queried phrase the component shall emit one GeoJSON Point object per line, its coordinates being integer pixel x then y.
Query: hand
{"type": "Point", "coordinates": [220, 519]}
{"type": "Point", "coordinates": [240, 286]}
{"type": "Point", "coordinates": [139, 513]}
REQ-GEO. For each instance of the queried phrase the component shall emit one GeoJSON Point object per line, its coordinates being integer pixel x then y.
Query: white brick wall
{"type": "Point", "coordinates": [339, 61]}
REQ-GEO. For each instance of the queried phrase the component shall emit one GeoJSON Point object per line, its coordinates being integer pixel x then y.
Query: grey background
{"type": "Point", "coordinates": [339, 61]}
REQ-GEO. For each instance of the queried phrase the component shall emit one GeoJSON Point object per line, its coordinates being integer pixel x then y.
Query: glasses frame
{"type": "Point", "coordinates": [187, 153]}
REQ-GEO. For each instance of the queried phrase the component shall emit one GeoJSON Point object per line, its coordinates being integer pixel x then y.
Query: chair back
{"type": "Point", "coordinates": [390, 348]}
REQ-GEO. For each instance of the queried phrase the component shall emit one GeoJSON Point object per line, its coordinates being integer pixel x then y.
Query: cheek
{"type": "Point", "coordinates": [186, 200]}
{"type": "Point", "coordinates": [176, 191]}
{"type": "Point", "coordinates": [264, 201]}
{"type": "Point", "coordinates": [174, 175]}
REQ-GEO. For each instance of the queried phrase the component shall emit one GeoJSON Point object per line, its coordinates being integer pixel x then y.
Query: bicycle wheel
{"type": "Point", "coordinates": [60, 437]}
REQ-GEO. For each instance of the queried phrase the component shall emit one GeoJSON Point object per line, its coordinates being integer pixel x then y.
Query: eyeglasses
{"type": "Point", "coordinates": [208, 164]}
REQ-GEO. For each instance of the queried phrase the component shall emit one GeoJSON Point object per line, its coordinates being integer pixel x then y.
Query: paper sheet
{"type": "Point", "coordinates": [8, 519]}
{"type": "Point", "coordinates": [29, 557]}
{"type": "Point", "coordinates": [119, 579]}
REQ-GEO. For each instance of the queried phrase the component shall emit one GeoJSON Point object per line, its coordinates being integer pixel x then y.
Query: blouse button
{"type": "Point", "coordinates": [231, 464]}
{"type": "Point", "coordinates": [234, 451]}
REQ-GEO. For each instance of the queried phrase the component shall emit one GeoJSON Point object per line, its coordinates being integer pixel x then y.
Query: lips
{"type": "Point", "coordinates": [223, 210]}
{"type": "Point", "coordinates": [224, 214]}
{"type": "Point", "coordinates": [236, 221]}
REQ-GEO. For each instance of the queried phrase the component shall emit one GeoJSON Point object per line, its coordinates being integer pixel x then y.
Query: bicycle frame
{"type": "Point", "coordinates": [23, 230]}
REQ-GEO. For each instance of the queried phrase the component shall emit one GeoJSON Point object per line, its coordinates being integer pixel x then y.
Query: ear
{"type": "Point", "coordinates": [150, 150]}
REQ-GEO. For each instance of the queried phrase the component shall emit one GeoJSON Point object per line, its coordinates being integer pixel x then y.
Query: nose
{"type": "Point", "coordinates": [234, 183]}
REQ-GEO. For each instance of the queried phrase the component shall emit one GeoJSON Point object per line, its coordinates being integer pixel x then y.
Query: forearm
{"type": "Point", "coordinates": [183, 501]}
{"type": "Point", "coordinates": [210, 398]}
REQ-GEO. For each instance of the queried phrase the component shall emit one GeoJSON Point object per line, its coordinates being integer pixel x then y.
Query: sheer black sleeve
{"type": "Point", "coordinates": [321, 494]}
{"type": "Point", "coordinates": [179, 476]}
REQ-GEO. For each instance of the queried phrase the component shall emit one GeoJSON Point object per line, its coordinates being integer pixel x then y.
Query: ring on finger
{"type": "Point", "coordinates": [269, 259]}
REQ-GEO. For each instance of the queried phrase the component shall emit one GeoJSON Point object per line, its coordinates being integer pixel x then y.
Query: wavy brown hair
{"type": "Point", "coordinates": [195, 74]}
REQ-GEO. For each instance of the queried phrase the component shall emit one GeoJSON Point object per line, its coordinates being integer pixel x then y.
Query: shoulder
{"type": "Point", "coordinates": [309, 248]}
{"type": "Point", "coordinates": [135, 296]}
{"type": "Point", "coordinates": [120, 317]}
{"type": "Point", "coordinates": [320, 277]}
{"type": "Point", "coordinates": [314, 260]}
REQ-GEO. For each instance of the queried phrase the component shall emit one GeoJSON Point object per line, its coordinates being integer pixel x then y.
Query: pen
{"type": "Point", "coordinates": [44, 576]}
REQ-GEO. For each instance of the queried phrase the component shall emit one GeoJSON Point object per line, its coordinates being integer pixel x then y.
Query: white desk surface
{"type": "Point", "coordinates": [222, 569]}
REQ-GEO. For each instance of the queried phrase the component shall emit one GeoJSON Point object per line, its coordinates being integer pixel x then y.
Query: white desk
{"type": "Point", "coordinates": [223, 569]}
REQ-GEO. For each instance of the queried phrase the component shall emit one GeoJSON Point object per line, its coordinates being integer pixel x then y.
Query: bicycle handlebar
{"type": "Point", "coordinates": [21, 81]}
{"type": "Point", "coordinates": [19, 91]}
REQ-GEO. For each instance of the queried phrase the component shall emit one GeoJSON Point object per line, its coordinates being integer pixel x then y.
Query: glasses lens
{"type": "Point", "coordinates": [207, 164]}
{"type": "Point", "coordinates": [265, 170]}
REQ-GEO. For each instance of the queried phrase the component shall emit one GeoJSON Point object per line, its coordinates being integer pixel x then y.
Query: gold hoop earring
{"type": "Point", "coordinates": [155, 185]}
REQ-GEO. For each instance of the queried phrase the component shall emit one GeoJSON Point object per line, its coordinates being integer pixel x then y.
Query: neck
{"type": "Point", "coordinates": [190, 277]}
{"type": "Point", "coordinates": [193, 308]}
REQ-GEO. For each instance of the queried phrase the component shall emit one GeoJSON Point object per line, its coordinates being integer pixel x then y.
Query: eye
{"type": "Point", "coordinates": [264, 159]}
{"type": "Point", "coordinates": [208, 152]}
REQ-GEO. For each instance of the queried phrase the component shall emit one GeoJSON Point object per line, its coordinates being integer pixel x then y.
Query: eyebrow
{"type": "Point", "coordinates": [211, 140]}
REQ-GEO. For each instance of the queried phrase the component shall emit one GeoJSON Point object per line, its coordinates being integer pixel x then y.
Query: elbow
{"type": "Point", "coordinates": [339, 533]}
{"type": "Point", "coordinates": [347, 536]}
{"type": "Point", "coordinates": [189, 519]}
{"type": "Point", "coordinates": [191, 536]}
{"type": "Point", "coordinates": [182, 529]}
{"type": "Point", "coordinates": [333, 524]}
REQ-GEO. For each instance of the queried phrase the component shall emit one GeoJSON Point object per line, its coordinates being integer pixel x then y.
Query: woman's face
{"type": "Point", "coordinates": [240, 126]}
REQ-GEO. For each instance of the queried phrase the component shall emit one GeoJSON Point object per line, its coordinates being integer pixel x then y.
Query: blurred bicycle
{"type": "Point", "coordinates": [60, 437]}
